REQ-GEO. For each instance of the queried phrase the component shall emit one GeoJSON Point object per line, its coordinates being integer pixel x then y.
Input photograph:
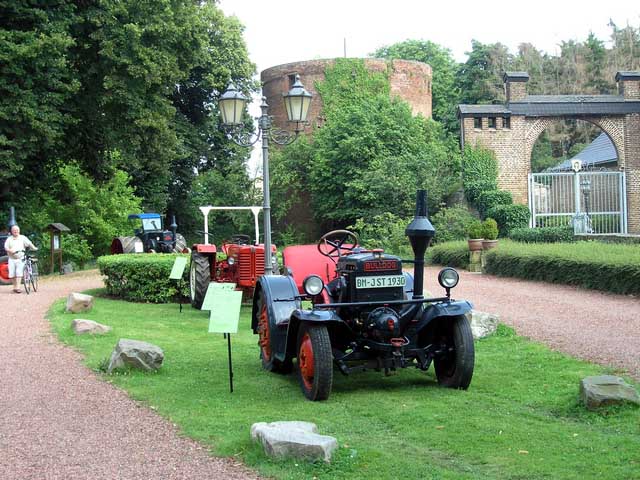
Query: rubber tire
{"type": "Point", "coordinates": [199, 278]}
{"type": "Point", "coordinates": [269, 363]}
{"type": "Point", "coordinates": [318, 386]}
{"type": "Point", "coordinates": [4, 265]}
{"type": "Point", "coordinates": [181, 244]}
{"type": "Point", "coordinates": [26, 282]}
{"type": "Point", "coordinates": [34, 277]}
{"type": "Point", "coordinates": [456, 370]}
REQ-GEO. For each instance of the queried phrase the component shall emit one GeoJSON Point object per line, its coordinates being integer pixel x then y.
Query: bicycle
{"type": "Point", "coordinates": [30, 273]}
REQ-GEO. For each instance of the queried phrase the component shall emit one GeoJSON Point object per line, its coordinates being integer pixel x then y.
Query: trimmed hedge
{"type": "Point", "coordinates": [451, 254]}
{"type": "Point", "coordinates": [611, 268]}
{"type": "Point", "coordinates": [509, 217]}
{"type": "Point", "coordinates": [543, 235]}
{"type": "Point", "coordinates": [607, 267]}
{"type": "Point", "coordinates": [143, 277]}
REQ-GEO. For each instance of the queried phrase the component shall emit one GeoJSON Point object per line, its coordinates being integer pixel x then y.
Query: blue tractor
{"type": "Point", "coordinates": [150, 237]}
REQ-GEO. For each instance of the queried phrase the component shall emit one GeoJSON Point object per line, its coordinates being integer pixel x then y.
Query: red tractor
{"type": "Point", "coordinates": [242, 263]}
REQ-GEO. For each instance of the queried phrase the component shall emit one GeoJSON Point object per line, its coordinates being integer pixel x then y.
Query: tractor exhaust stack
{"type": "Point", "coordinates": [12, 218]}
{"type": "Point", "coordinates": [420, 233]}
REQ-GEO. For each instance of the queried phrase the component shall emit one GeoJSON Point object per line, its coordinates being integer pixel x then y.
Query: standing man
{"type": "Point", "coordinates": [15, 246]}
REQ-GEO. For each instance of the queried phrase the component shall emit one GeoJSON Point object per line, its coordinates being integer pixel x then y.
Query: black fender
{"type": "Point", "coordinates": [443, 309]}
{"type": "Point", "coordinates": [329, 317]}
{"type": "Point", "coordinates": [280, 294]}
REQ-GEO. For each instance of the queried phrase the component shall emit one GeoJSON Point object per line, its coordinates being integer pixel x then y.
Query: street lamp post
{"type": "Point", "coordinates": [232, 104]}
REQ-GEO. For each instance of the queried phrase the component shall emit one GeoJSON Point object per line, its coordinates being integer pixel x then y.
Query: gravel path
{"type": "Point", "coordinates": [599, 327]}
{"type": "Point", "coordinates": [59, 421]}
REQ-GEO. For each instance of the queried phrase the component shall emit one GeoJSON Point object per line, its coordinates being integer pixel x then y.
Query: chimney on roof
{"type": "Point", "coordinates": [629, 85]}
{"type": "Point", "coordinates": [515, 85]}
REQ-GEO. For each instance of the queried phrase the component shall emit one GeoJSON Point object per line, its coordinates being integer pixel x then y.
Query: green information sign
{"type": "Point", "coordinates": [211, 301]}
{"type": "Point", "coordinates": [178, 268]}
{"type": "Point", "coordinates": [226, 315]}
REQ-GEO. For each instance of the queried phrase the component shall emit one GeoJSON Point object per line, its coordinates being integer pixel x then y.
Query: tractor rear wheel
{"type": "Point", "coordinates": [4, 271]}
{"type": "Point", "coordinates": [315, 361]}
{"type": "Point", "coordinates": [199, 278]}
{"type": "Point", "coordinates": [181, 244]}
{"type": "Point", "coordinates": [269, 362]}
{"type": "Point", "coordinates": [454, 369]}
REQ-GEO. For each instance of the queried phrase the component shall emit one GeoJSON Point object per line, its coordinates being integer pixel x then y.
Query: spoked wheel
{"type": "Point", "coordinates": [34, 277]}
{"type": "Point", "coordinates": [26, 281]}
{"type": "Point", "coordinates": [315, 361]}
{"type": "Point", "coordinates": [199, 278]}
{"type": "Point", "coordinates": [269, 362]}
{"type": "Point", "coordinates": [454, 369]}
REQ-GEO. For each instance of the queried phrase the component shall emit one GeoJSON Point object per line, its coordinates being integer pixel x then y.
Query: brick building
{"type": "Point", "coordinates": [409, 80]}
{"type": "Point", "coordinates": [511, 130]}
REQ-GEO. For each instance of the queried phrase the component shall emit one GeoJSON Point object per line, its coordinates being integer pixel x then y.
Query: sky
{"type": "Point", "coordinates": [278, 32]}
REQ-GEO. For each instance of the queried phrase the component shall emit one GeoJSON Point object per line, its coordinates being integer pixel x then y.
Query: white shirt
{"type": "Point", "coordinates": [16, 244]}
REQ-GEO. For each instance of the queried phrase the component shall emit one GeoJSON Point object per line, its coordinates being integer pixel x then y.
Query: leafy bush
{"type": "Point", "coordinates": [384, 231]}
{"type": "Point", "coordinates": [509, 217]}
{"type": "Point", "coordinates": [142, 277]}
{"type": "Point", "coordinates": [609, 267]}
{"type": "Point", "coordinates": [479, 172]}
{"type": "Point", "coordinates": [451, 224]}
{"type": "Point", "coordinates": [75, 249]}
{"type": "Point", "coordinates": [451, 254]}
{"type": "Point", "coordinates": [491, 198]}
{"type": "Point", "coordinates": [542, 235]}
{"type": "Point", "coordinates": [489, 229]}
{"type": "Point", "coordinates": [475, 229]}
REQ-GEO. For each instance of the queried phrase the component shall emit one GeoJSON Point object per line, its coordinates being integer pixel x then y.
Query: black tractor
{"type": "Point", "coordinates": [150, 237]}
{"type": "Point", "coordinates": [366, 314]}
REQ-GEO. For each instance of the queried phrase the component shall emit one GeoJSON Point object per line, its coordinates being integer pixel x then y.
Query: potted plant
{"type": "Point", "coordinates": [489, 233]}
{"type": "Point", "coordinates": [474, 230]}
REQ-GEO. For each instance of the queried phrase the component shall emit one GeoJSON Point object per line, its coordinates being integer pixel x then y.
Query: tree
{"type": "Point", "coordinates": [445, 92]}
{"type": "Point", "coordinates": [371, 154]}
{"type": "Point", "coordinates": [36, 82]}
{"type": "Point", "coordinates": [480, 77]}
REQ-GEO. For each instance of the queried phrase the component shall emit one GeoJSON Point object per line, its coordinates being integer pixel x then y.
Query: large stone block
{"type": "Point", "coordinates": [293, 440]}
{"type": "Point", "coordinates": [79, 302]}
{"type": "Point", "coordinates": [136, 354]}
{"type": "Point", "coordinates": [81, 326]}
{"type": "Point", "coordinates": [482, 324]}
{"type": "Point", "coordinates": [606, 390]}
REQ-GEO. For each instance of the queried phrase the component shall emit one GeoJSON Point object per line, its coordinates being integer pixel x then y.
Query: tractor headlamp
{"type": "Point", "coordinates": [313, 285]}
{"type": "Point", "coordinates": [231, 260]}
{"type": "Point", "coordinates": [448, 278]}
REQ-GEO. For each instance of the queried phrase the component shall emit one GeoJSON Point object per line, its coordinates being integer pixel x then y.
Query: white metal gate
{"type": "Point", "coordinates": [592, 202]}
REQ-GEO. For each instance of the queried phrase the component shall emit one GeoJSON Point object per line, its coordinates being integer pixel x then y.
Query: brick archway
{"type": "Point", "coordinates": [510, 130]}
{"type": "Point", "coordinates": [613, 127]}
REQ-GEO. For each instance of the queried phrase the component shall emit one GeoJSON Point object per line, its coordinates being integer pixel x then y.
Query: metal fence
{"type": "Point", "coordinates": [592, 202]}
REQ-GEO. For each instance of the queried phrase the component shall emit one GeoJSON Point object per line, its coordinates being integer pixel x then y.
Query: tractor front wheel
{"type": "Point", "coordinates": [315, 361]}
{"type": "Point", "coordinates": [454, 368]}
{"type": "Point", "coordinates": [199, 278]}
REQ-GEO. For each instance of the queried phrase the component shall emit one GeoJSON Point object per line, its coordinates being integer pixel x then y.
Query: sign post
{"type": "Point", "coordinates": [223, 302]}
{"type": "Point", "coordinates": [176, 274]}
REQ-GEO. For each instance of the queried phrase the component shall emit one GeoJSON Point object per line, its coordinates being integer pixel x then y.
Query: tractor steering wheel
{"type": "Point", "coordinates": [334, 242]}
{"type": "Point", "coordinates": [240, 239]}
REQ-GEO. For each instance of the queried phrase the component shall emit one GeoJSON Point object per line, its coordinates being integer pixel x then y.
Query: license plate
{"type": "Point", "coordinates": [381, 281]}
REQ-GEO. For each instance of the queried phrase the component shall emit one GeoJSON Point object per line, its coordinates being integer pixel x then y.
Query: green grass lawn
{"type": "Point", "coordinates": [520, 418]}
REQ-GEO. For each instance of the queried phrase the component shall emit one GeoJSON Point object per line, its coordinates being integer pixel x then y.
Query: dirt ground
{"type": "Point", "coordinates": [59, 421]}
